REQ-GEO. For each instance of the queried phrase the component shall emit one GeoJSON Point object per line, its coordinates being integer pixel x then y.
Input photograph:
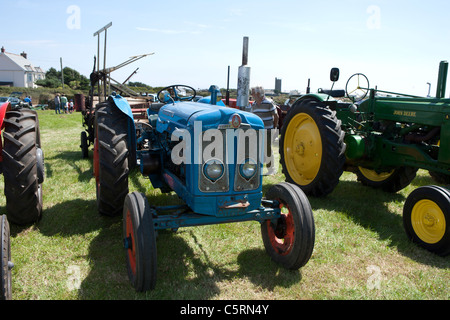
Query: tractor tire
{"type": "Point", "coordinates": [426, 218]}
{"type": "Point", "coordinates": [111, 158]}
{"type": "Point", "coordinates": [84, 145]}
{"type": "Point", "coordinates": [391, 182]}
{"type": "Point", "coordinates": [139, 237]}
{"type": "Point", "coordinates": [289, 241]}
{"type": "Point", "coordinates": [312, 148]}
{"type": "Point", "coordinates": [5, 260]}
{"type": "Point", "coordinates": [23, 166]}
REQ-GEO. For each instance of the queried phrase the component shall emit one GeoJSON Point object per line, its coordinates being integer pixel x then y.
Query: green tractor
{"type": "Point", "coordinates": [383, 137]}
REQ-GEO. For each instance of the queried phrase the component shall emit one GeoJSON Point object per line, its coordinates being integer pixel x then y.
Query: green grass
{"type": "Point", "coordinates": [361, 250]}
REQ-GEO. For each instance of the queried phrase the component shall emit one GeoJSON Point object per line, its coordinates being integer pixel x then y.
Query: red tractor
{"type": "Point", "coordinates": [22, 165]}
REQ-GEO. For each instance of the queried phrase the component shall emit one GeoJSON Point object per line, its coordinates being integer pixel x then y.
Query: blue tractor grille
{"type": "Point", "coordinates": [237, 164]}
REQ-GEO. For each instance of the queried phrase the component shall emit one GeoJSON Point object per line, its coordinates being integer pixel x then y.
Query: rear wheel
{"type": "Point", "coordinates": [111, 159]}
{"type": "Point", "coordinates": [391, 181]}
{"type": "Point", "coordinates": [312, 147]}
{"type": "Point", "coordinates": [426, 216]}
{"type": "Point", "coordinates": [5, 260]}
{"type": "Point", "coordinates": [289, 241]}
{"type": "Point", "coordinates": [23, 166]}
{"type": "Point", "coordinates": [140, 242]}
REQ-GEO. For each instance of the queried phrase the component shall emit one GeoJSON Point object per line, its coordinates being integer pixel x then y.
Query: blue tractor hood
{"type": "Point", "coordinates": [182, 115]}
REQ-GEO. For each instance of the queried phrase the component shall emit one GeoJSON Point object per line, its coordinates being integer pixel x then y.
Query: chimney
{"type": "Point", "coordinates": [3, 49]}
{"type": "Point", "coordinates": [23, 54]}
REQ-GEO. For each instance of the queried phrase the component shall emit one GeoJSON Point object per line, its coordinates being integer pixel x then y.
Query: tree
{"type": "Point", "coordinates": [49, 82]}
{"type": "Point", "coordinates": [72, 78]}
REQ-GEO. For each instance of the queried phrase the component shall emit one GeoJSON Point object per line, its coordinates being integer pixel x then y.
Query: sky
{"type": "Point", "coordinates": [397, 44]}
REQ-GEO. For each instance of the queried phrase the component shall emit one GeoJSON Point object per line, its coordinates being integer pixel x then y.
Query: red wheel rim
{"type": "Point", "coordinates": [131, 245]}
{"type": "Point", "coordinates": [282, 238]}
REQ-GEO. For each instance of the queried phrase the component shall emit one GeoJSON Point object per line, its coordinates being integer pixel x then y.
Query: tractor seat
{"type": "Point", "coordinates": [156, 106]}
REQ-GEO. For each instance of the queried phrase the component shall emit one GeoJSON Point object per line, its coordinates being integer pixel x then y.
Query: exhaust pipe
{"type": "Point", "coordinates": [243, 85]}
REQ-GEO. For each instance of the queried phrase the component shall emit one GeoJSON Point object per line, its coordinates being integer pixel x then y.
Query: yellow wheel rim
{"type": "Point", "coordinates": [372, 175]}
{"type": "Point", "coordinates": [428, 221]}
{"type": "Point", "coordinates": [302, 149]}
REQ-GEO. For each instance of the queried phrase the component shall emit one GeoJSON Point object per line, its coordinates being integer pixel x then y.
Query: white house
{"type": "Point", "coordinates": [17, 71]}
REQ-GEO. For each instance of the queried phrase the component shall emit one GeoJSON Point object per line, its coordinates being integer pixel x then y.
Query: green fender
{"type": "Point", "coordinates": [322, 97]}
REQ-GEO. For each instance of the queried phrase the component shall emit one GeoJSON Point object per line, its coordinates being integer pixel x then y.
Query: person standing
{"type": "Point", "coordinates": [57, 104]}
{"type": "Point", "coordinates": [264, 108]}
{"type": "Point", "coordinates": [71, 106]}
{"type": "Point", "coordinates": [64, 103]}
{"type": "Point", "coordinates": [28, 100]}
{"type": "Point", "coordinates": [267, 111]}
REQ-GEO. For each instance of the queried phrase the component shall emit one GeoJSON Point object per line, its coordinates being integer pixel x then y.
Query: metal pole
{"type": "Point", "coordinates": [245, 52]}
{"type": "Point", "coordinates": [227, 98]}
{"type": "Point", "coordinates": [104, 63]}
{"type": "Point", "coordinates": [98, 52]}
{"type": "Point", "coordinates": [62, 73]}
{"type": "Point", "coordinates": [97, 33]}
{"type": "Point", "coordinates": [98, 68]}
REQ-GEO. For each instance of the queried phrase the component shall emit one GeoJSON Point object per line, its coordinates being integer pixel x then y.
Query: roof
{"type": "Point", "coordinates": [23, 63]}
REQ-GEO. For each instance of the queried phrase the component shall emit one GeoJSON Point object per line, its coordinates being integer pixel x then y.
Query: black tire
{"type": "Point", "coordinates": [394, 181]}
{"type": "Point", "coordinates": [314, 167]}
{"type": "Point", "coordinates": [426, 218]}
{"type": "Point", "coordinates": [111, 160]}
{"type": "Point", "coordinates": [5, 260]}
{"type": "Point", "coordinates": [291, 241]}
{"type": "Point", "coordinates": [22, 166]}
{"type": "Point", "coordinates": [140, 242]}
{"type": "Point", "coordinates": [84, 145]}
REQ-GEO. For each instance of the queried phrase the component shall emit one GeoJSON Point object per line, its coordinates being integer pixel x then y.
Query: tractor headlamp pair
{"type": "Point", "coordinates": [214, 169]}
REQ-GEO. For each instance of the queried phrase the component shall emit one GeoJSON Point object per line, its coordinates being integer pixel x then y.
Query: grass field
{"type": "Point", "coordinates": [73, 253]}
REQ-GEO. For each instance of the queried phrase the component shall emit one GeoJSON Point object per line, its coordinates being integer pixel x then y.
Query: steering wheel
{"type": "Point", "coordinates": [175, 93]}
{"type": "Point", "coordinates": [361, 83]}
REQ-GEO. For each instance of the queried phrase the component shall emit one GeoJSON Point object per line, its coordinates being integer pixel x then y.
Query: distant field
{"type": "Point", "coordinates": [73, 253]}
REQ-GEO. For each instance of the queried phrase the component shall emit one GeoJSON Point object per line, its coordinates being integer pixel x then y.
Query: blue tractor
{"type": "Point", "coordinates": [212, 157]}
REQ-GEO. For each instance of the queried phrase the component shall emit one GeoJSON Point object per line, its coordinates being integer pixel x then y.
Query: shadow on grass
{"type": "Point", "coordinates": [70, 158]}
{"type": "Point", "coordinates": [183, 272]}
{"type": "Point", "coordinates": [188, 275]}
{"type": "Point", "coordinates": [372, 209]}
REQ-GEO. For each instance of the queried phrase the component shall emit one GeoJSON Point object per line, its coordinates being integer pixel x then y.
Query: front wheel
{"type": "Point", "coordinates": [139, 242]}
{"type": "Point", "coordinates": [84, 145]}
{"type": "Point", "coordinates": [426, 216]}
{"type": "Point", "coordinates": [290, 239]}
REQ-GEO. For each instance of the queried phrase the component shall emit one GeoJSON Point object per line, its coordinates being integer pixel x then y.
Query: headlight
{"type": "Point", "coordinates": [248, 169]}
{"type": "Point", "coordinates": [213, 169]}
